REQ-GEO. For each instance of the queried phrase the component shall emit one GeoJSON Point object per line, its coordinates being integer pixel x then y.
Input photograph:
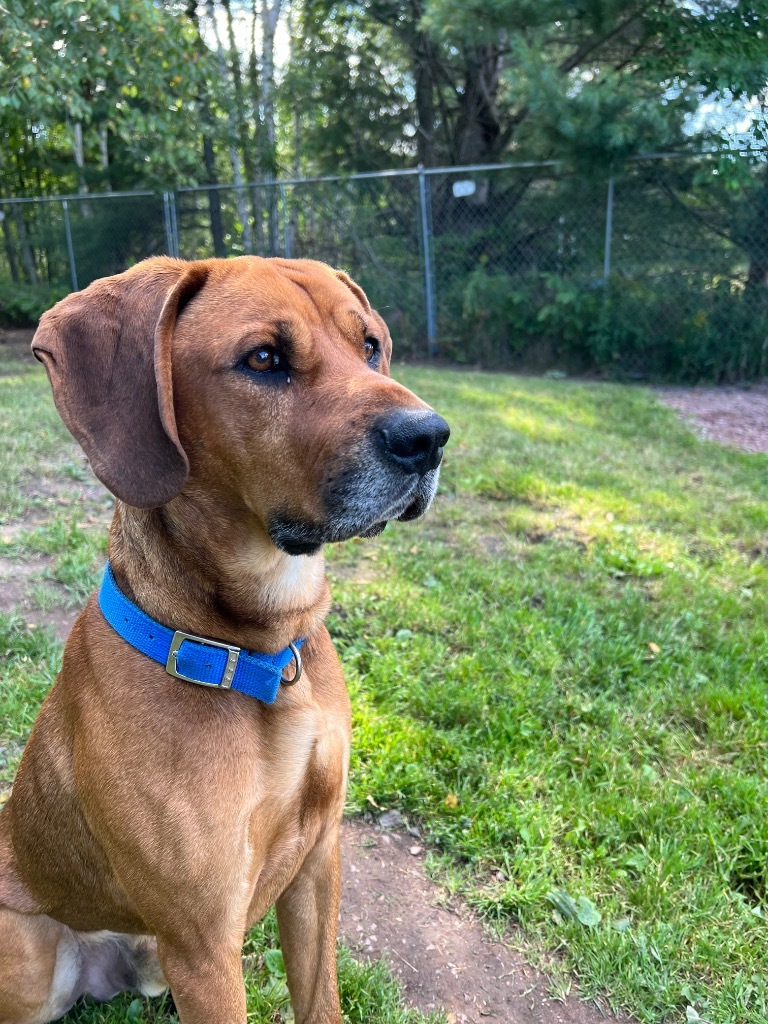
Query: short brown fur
{"type": "Point", "coordinates": [146, 806]}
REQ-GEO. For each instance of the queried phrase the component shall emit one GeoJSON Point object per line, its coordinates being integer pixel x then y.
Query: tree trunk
{"type": "Point", "coordinates": [258, 126]}
{"type": "Point", "coordinates": [479, 127]}
{"type": "Point", "coordinates": [77, 140]}
{"type": "Point", "coordinates": [270, 17]}
{"type": "Point", "coordinates": [293, 219]}
{"type": "Point", "coordinates": [10, 252]}
{"type": "Point", "coordinates": [209, 158]}
{"type": "Point", "coordinates": [234, 156]}
{"type": "Point", "coordinates": [214, 200]}
{"type": "Point", "coordinates": [8, 240]}
{"type": "Point", "coordinates": [237, 80]}
{"type": "Point", "coordinates": [27, 256]}
{"type": "Point", "coordinates": [78, 150]}
{"type": "Point", "coordinates": [425, 100]}
{"type": "Point", "coordinates": [104, 154]}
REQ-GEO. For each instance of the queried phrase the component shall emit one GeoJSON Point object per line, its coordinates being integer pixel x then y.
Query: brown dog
{"type": "Point", "coordinates": [242, 413]}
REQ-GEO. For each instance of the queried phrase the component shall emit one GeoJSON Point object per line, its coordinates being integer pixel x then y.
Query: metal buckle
{"type": "Point", "coordinates": [299, 667]}
{"type": "Point", "coordinates": [229, 668]}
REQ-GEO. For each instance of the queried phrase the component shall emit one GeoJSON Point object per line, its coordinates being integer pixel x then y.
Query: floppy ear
{"type": "Point", "coordinates": [107, 351]}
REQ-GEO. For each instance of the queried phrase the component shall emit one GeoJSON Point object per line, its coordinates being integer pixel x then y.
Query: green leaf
{"type": "Point", "coordinates": [564, 903]}
{"type": "Point", "coordinates": [588, 913]}
{"type": "Point", "coordinates": [273, 958]}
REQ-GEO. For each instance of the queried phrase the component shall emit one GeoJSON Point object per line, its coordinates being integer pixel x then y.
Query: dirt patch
{"type": "Point", "coordinates": [15, 348]}
{"type": "Point", "coordinates": [18, 582]}
{"type": "Point", "coordinates": [734, 415]}
{"type": "Point", "coordinates": [439, 950]}
{"type": "Point", "coordinates": [16, 341]}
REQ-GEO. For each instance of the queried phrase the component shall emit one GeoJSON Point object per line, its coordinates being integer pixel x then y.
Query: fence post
{"type": "Point", "coordinates": [70, 248]}
{"type": "Point", "coordinates": [174, 223]}
{"type": "Point", "coordinates": [167, 225]}
{"type": "Point", "coordinates": [426, 245]}
{"type": "Point", "coordinates": [608, 233]}
{"type": "Point", "coordinates": [286, 233]}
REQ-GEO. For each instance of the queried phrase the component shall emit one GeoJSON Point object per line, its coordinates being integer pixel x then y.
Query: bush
{"type": "Point", "coordinates": [676, 327]}
{"type": "Point", "coordinates": [22, 305]}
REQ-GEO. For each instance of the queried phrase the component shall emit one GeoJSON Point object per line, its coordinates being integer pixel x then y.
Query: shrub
{"type": "Point", "coordinates": [676, 327]}
{"type": "Point", "coordinates": [22, 305]}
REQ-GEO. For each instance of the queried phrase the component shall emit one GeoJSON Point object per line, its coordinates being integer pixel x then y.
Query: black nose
{"type": "Point", "coordinates": [413, 438]}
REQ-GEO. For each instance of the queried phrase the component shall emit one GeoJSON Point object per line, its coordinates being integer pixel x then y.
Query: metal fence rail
{"type": "Point", "coordinates": [660, 269]}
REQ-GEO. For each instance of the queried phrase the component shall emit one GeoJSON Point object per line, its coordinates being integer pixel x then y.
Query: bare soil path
{"type": "Point", "coordinates": [442, 954]}
{"type": "Point", "coordinates": [735, 415]}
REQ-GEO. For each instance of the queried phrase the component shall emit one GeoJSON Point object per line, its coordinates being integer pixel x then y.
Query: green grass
{"type": "Point", "coordinates": [559, 673]}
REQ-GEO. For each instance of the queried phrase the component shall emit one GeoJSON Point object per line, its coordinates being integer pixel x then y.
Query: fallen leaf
{"type": "Point", "coordinates": [451, 800]}
{"type": "Point", "coordinates": [654, 648]}
{"type": "Point", "coordinates": [370, 800]}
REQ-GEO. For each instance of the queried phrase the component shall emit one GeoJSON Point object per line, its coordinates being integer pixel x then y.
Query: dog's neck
{"type": "Point", "coordinates": [211, 570]}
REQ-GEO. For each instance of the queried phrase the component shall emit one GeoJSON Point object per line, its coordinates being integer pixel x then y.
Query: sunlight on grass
{"type": "Point", "coordinates": [571, 648]}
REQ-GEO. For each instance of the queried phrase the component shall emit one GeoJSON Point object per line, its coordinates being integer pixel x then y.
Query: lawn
{"type": "Point", "coordinates": [558, 674]}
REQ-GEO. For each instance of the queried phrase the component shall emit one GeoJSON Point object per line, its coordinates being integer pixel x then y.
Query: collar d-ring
{"type": "Point", "coordinates": [299, 668]}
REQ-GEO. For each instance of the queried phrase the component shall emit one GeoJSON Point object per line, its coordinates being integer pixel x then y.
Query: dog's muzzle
{"type": "Point", "coordinates": [392, 475]}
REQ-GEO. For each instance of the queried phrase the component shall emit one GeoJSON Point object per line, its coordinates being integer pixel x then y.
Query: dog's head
{"type": "Point", "coordinates": [261, 382]}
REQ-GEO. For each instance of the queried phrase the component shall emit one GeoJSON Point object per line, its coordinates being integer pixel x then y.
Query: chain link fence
{"type": "Point", "coordinates": [660, 270]}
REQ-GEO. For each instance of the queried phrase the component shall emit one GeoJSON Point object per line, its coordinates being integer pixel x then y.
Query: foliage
{"type": "Point", "coordinates": [128, 67]}
{"type": "Point", "coordinates": [519, 270]}
{"type": "Point", "coordinates": [22, 305]}
{"type": "Point", "coordinates": [342, 56]}
{"type": "Point", "coordinates": [113, 94]}
{"type": "Point", "coordinates": [711, 333]}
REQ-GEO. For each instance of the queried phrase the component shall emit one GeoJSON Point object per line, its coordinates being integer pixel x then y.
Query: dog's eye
{"type": "Point", "coordinates": [264, 358]}
{"type": "Point", "coordinates": [371, 349]}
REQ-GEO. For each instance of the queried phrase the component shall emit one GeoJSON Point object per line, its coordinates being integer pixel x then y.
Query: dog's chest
{"type": "Point", "coordinates": [297, 790]}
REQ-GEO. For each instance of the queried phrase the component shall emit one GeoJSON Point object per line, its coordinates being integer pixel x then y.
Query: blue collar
{"type": "Point", "coordinates": [194, 658]}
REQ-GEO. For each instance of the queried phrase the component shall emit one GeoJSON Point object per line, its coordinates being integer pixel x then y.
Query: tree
{"type": "Point", "coordinates": [347, 87]}
{"type": "Point", "coordinates": [119, 73]}
{"type": "Point", "coordinates": [492, 78]}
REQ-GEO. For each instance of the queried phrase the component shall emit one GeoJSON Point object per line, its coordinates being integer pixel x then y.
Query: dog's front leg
{"type": "Point", "coordinates": [307, 915]}
{"type": "Point", "coordinates": [206, 982]}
